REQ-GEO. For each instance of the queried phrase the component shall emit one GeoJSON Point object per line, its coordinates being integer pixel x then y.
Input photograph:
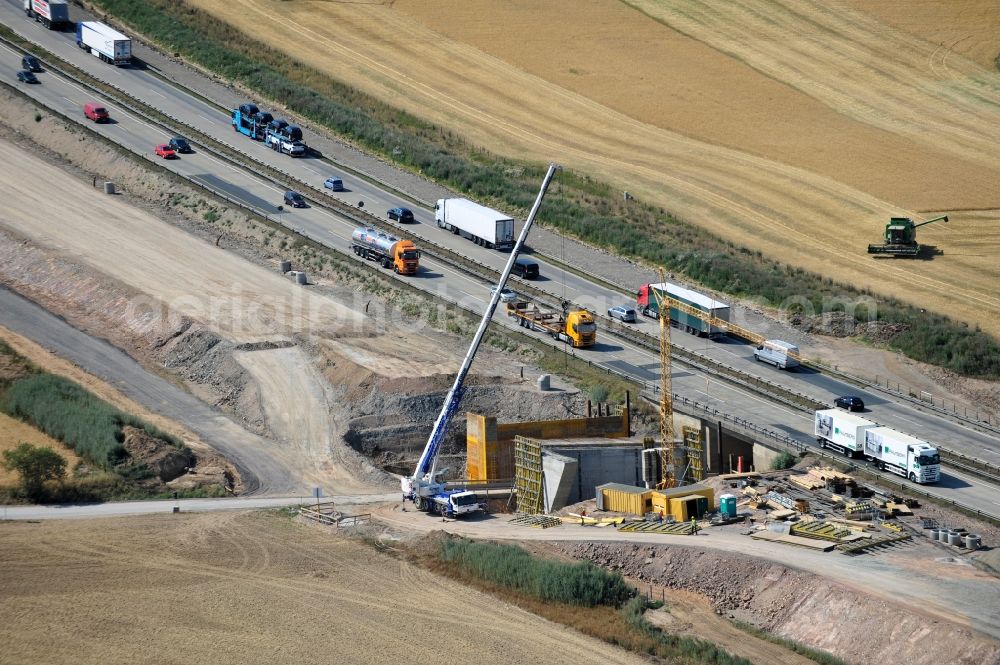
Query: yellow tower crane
{"type": "Point", "coordinates": [667, 477]}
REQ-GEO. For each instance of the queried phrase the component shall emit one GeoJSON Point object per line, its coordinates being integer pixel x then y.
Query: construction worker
{"type": "Point", "coordinates": [694, 526]}
{"type": "Point", "coordinates": [661, 516]}
{"type": "Point", "coordinates": [583, 515]}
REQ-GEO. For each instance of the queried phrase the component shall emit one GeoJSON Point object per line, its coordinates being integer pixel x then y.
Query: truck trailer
{"type": "Point", "coordinates": [281, 136]}
{"type": "Point", "coordinates": [575, 326]}
{"type": "Point", "coordinates": [400, 255]}
{"type": "Point", "coordinates": [689, 310]}
{"type": "Point", "coordinates": [251, 121]}
{"type": "Point", "coordinates": [481, 225]}
{"type": "Point", "coordinates": [104, 42]}
{"type": "Point", "coordinates": [53, 14]}
{"type": "Point", "coordinates": [841, 431]}
{"type": "Point", "coordinates": [903, 455]}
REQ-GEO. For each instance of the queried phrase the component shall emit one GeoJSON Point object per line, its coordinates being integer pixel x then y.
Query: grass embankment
{"type": "Point", "coordinates": [577, 206]}
{"type": "Point", "coordinates": [91, 427]}
{"type": "Point", "coordinates": [582, 596]}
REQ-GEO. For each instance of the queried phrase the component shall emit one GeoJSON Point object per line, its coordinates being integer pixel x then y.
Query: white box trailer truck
{"type": "Point", "coordinates": [53, 14]}
{"type": "Point", "coordinates": [479, 224]}
{"type": "Point", "coordinates": [841, 431]}
{"type": "Point", "coordinates": [903, 455]}
{"type": "Point", "coordinates": [104, 42]}
{"type": "Point", "coordinates": [783, 355]}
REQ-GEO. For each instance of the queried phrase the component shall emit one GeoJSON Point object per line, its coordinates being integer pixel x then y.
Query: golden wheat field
{"type": "Point", "coordinates": [796, 127]}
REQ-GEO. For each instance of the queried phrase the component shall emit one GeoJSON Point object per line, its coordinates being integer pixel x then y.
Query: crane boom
{"type": "Point", "coordinates": [422, 482]}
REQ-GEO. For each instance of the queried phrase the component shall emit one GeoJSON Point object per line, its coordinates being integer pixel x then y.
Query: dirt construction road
{"type": "Point", "coordinates": [784, 126]}
{"type": "Point", "coordinates": [248, 588]}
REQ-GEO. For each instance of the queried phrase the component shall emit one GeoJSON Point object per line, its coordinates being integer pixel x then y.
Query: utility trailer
{"type": "Point", "coordinates": [104, 42]}
{"type": "Point", "coordinates": [481, 225]}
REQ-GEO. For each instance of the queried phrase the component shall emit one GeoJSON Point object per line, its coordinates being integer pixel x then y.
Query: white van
{"type": "Point", "coordinates": [780, 354]}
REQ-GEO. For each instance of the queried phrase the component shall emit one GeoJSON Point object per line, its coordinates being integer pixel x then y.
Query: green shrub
{"type": "Point", "coordinates": [67, 412]}
{"type": "Point", "coordinates": [784, 460]}
{"type": "Point", "coordinates": [35, 466]}
{"type": "Point", "coordinates": [512, 567]}
{"type": "Point", "coordinates": [599, 393]}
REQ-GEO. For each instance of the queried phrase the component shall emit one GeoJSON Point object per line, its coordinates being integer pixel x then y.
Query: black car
{"type": "Point", "coordinates": [850, 402]}
{"type": "Point", "coordinates": [178, 144]}
{"type": "Point", "coordinates": [24, 76]}
{"type": "Point", "coordinates": [401, 215]}
{"type": "Point", "coordinates": [30, 63]}
{"type": "Point", "coordinates": [294, 199]}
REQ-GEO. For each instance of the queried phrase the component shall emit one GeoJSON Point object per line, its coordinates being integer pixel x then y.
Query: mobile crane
{"type": "Point", "coordinates": [422, 487]}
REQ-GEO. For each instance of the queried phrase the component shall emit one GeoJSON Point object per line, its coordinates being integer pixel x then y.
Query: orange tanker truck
{"type": "Point", "coordinates": [400, 255]}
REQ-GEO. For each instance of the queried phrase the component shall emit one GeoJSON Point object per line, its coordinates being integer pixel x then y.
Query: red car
{"type": "Point", "coordinates": [165, 152]}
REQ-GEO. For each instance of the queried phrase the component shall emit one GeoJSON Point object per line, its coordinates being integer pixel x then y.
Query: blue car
{"type": "Point", "coordinates": [401, 215]}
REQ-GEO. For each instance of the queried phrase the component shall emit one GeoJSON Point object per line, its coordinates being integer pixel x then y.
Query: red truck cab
{"type": "Point", "coordinates": [96, 112]}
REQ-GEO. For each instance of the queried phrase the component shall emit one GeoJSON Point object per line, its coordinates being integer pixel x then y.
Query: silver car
{"type": "Point", "coordinates": [623, 313]}
{"type": "Point", "coordinates": [506, 295]}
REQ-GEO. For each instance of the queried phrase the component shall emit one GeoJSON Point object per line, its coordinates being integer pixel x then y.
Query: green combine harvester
{"type": "Point", "coordinates": [901, 237]}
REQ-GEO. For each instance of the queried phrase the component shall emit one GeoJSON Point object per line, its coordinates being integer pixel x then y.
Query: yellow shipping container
{"type": "Point", "coordinates": [684, 508]}
{"type": "Point", "coordinates": [625, 499]}
{"type": "Point", "coordinates": [674, 501]}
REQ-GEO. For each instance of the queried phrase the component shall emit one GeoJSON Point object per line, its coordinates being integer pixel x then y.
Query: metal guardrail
{"type": "Point", "coordinates": [478, 269]}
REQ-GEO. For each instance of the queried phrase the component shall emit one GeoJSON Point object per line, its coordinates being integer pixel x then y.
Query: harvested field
{"type": "Point", "coordinates": [248, 588]}
{"type": "Point", "coordinates": [785, 127]}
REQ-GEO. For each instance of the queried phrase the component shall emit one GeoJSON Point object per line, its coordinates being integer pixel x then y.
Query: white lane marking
{"type": "Point", "coordinates": [158, 94]}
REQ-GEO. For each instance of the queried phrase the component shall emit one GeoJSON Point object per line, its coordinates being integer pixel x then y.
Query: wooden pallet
{"type": "Point", "coordinates": [861, 546]}
{"type": "Point", "coordinates": [809, 543]}
{"type": "Point", "coordinates": [821, 531]}
{"type": "Point", "coordinates": [676, 529]}
{"type": "Point", "coordinates": [536, 521]}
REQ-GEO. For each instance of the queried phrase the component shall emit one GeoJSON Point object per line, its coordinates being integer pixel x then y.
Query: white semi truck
{"type": "Point", "coordinates": [481, 225]}
{"type": "Point", "coordinates": [53, 14]}
{"type": "Point", "coordinates": [104, 42]}
{"type": "Point", "coordinates": [841, 431]}
{"type": "Point", "coordinates": [903, 455]}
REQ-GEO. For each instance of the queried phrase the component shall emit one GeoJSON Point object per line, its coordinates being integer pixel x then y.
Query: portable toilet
{"type": "Point", "coordinates": [727, 505]}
